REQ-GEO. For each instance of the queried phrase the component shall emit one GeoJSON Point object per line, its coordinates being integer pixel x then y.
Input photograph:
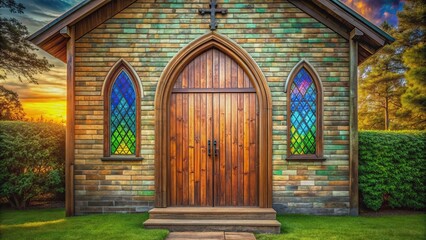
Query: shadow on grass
{"type": "Point", "coordinates": [52, 224]}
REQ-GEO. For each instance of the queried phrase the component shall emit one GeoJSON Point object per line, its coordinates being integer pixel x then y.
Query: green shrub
{"type": "Point", "coordinates": [392, 169]}
{"type": "Point", "coordinates": [31, 160]}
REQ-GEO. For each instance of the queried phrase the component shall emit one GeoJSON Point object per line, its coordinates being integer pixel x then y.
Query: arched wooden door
{"type": "Point", "coordinates": [213, 133]}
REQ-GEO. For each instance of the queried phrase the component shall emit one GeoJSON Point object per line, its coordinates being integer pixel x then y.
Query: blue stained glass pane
{"type": "Point", "coordinates": [123, 116]}
{"type": "Point", "coordinates": [303, 96]}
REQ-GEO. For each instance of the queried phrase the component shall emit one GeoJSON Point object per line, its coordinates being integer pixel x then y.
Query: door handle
{"type": "Point", "coordinates": [216, 151]}
{"type": "Point", "coordinates": [209, 149]}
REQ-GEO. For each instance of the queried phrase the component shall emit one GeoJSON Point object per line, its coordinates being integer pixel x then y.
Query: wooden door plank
{"type": "Point", "coordinates": [185, 148]}
{"type": "Point", "coordinates": [240, 77]}
{"type": "Point", "coordinates": [222, 150]}
{"type": "Point", "coordinates": [253, 146]}
{"type": "Point", "coordinates": [203, 151]}
{"type": "Point", "coordinates": [209, 69]}
{"type": "Point", "coordinates": [178, 83]}
{"type": "Point", "coordinates": [228, 151]}
{"type": "Point", "coordinates": [256, 157]}
{"type": "Point", "coordinates": [172, 167]}
{"type": "Point", "coordinates": [197, 148]}
{"type": "Point", "coordinates": [234, 74]}
{"type": "Point", "coordinates": [216, 66]}
{"type": "Point", "coordinates": [234, 151]}
{"type": "Point", "coordinates": [191, 145]}
{"type": "Point", "coordinates": [228, 74]}
{"type": "Point", "coordinates": [240, 121]}
{"type": "Point", "coordinates": [222, 71]}
{"type": "Point", "coordinates": [202, 70]}
{"type": "Point", "coordinates": [247, 82]}
{"type": "Point", "coordinates": [216, 159]}
{"type": "Point", "coordinates": [184, 75]}
{"type": "Point", "coordinates": [197, 72]}
{"type": "Point", "coordinates": [246, 151]}
{"type": "Point", "coordinates": [209, 159]}
{"type": "Point", "coordinates": [191, 79]}
{"type": "Point", "coordinates": [179, 150]}
{"type": "Point", "coordinates": [231, 75]}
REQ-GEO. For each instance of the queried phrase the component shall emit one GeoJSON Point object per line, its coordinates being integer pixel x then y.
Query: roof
{"type": "Point", "coordinates": [90, 13]}
{"type": "Point", "coordinates": [365, 21]}
{"type": "Point", "coordinates": [86, 16]}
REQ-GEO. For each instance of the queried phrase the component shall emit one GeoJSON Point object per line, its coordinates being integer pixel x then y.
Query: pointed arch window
{"type": "Point", "coordinates": [304, 114]}
{"type": "Point", "coordinates": [122, 95]}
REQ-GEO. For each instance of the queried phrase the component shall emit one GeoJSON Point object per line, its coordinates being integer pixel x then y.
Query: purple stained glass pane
{"type": "Point", "coordinates": [303, 118]}
{"type": "Point", "coordinates": [123, 116]}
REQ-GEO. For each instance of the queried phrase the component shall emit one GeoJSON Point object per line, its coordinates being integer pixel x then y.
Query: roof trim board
{"type": "Point", "coordinates": [363, 20]}
{"type": "Point", "coordinates": [350, 19]}
{"type": "Point", "coordinates": [70, 17]}
{"type": "Point", "coordinates": [331, 13]}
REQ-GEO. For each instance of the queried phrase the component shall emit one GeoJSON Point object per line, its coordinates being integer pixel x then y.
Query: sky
{"type": "Point", "coordinates": [48, 97]}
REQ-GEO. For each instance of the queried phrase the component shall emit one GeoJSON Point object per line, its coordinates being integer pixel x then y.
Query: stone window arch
{"type": "Point", "coordinates": [122, 93]}
{"type": "Point", "coordinates": [304, 113]}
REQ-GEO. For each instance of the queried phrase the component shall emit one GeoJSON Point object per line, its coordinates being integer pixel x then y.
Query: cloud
{"type": "Point", "coordinates": [38, 13]}
{"type": "Point", "coordinates": [377, 11]}
{"type": "Point", "coordinates": [48, 98]}
{"type": "Point", "coordinates": [59, 6]}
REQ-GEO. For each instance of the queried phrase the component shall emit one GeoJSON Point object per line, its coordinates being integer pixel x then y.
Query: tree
{"type": "Point", "coordinates": [393, 81]}
{"type": "Point", "coordinates": [17, 55]}
{"type": "Point", "coordinates": [412, 27]}
{"type": "Point", "coordinates": [381, 86]}
{"type": "Point", "coordinates": [10, 106]}
{"type": "Point", "coordinates": [31, 160]}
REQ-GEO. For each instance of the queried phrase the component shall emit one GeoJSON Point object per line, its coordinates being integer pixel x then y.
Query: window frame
{"type": "Point", "coordinates": [319, 113]}
{"type": "Point", "coordinates": [111, 78]}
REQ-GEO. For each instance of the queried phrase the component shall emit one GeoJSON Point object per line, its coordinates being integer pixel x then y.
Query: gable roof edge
{"type": "Point", "coordinates": [79, 11]}
{"type": "Point", "coordinates": [364, 20]}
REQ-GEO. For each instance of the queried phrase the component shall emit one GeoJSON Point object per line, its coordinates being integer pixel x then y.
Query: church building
{"type": "Point", "coordinates": [211, 115]}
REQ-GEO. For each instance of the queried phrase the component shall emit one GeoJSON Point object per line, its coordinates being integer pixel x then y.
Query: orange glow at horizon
{"type": "Point", "coordinates": [48, 110]}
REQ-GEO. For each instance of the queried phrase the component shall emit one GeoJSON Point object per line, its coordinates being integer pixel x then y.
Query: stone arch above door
{"type": "Point", "coordinates": [162, 100]}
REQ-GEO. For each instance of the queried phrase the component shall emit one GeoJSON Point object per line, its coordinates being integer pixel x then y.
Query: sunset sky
{"type": "Point", "coordinates": [48, 97]}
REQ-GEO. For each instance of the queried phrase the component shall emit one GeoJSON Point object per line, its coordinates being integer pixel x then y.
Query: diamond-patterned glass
{"type": "Point", "coordinates": [303, 116]}
{"type": "Point", "coordinates": [123, 116]}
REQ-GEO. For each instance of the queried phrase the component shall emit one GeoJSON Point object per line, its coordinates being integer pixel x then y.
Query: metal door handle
{"type": "Point", "coordinates": [209, 149]}
{"type": "Point", "coordinates": [216, 151]}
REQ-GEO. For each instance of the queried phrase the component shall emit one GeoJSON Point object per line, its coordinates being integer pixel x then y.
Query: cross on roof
{"type": "Point", "coordinates": [213, 10]}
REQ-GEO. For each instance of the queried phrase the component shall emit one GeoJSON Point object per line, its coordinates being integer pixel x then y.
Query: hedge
{"type": "Point", "coordinates": [392, 169]}
{"type": "Point", "coordinates": [31, 160]}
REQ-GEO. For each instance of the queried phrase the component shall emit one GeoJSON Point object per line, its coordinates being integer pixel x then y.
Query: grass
{"type": "Point", "coordinates": [366, 228]}
{"type": "Point", "coordinates": [51, 224]}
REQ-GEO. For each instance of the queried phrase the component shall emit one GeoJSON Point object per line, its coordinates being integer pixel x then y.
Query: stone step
{"type": "Point", "coordinates": [210, 236]}
{"type": "Point", "coordinates": [213, 213]}
{"type": "Point", "coordinates": [203, 225]}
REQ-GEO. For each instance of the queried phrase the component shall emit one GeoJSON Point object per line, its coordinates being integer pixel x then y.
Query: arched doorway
{"type": "Point", "coordinates": [213, 128]}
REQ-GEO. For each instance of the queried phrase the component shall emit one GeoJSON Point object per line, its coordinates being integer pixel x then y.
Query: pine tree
{"type": "Point", "coordinates": [381, 86]}
{"type": "Point", "coordinates": [412, 26]}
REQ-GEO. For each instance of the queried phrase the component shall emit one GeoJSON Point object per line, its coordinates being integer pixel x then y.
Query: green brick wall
{"type": "Point", "coordinates": [148, 34]}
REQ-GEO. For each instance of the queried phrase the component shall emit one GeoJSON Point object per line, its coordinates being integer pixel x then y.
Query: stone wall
{"type": "Point", "coordinates": [148, 34]}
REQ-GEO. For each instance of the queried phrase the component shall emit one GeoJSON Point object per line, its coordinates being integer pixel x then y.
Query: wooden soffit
{"type": "Point", "coordinates": [85, 17]}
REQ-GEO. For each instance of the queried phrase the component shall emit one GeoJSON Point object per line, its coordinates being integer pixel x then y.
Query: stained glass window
{"type": "Point", "coordinates": [303, 114]}
{"type": "Point", "coordinates": [123, 116]}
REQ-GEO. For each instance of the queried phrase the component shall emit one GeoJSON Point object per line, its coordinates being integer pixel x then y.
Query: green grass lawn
{"type": "Point", "coordinates": [51, 224]}
{"type": "Point", "coordinates": [410, 227]}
